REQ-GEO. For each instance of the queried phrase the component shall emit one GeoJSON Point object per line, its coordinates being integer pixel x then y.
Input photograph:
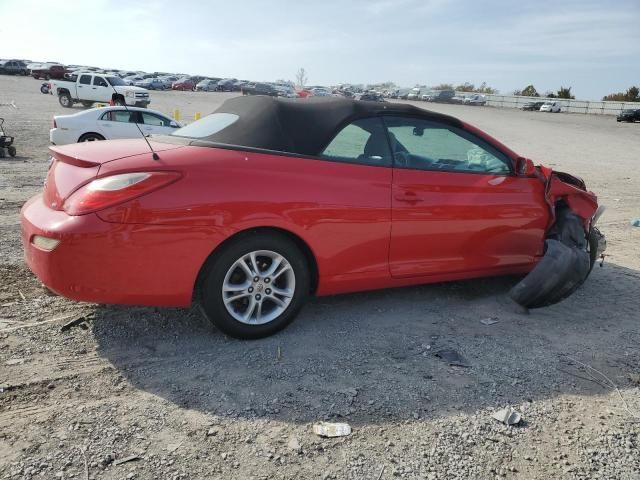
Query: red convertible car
{"type": "Point", "coordinates": [267, 200]}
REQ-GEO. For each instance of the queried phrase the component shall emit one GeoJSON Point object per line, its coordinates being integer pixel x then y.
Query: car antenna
{"type": "Point", "coordinates": [124, 104]}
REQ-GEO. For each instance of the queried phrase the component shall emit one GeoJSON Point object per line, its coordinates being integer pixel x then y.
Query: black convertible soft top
{"type": "Point", "coordinates": [301, 126]}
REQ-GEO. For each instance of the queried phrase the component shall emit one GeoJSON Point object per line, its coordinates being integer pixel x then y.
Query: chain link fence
{"type": "Point", "coordinates": [567, 106]}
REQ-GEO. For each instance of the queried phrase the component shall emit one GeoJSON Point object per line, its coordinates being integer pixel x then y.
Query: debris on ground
{"type": "Point", "coordinates": [130, 458]}
{"type": "Point", "coordinates": [635, 222]}
{"type": "Point", "coordinates": [452, 357]}
{"type": "Point", "coordinates": [74, 322]}
{"type": "Point", "coordinates": [294, 444]}
{"type": "Point", "coordinates": [326, 429]}
{"type": "Point", "coordinates": [508, 416]}
{"type": "Point", "coordinates": [489, 321]}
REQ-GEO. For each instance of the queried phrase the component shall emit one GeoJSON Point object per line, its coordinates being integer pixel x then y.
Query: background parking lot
{"type": "Point", "coordinates": [160, 384]}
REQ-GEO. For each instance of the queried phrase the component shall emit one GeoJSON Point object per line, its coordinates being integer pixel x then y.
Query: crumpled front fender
{"type": "Point", "coordinates": [572, 244]}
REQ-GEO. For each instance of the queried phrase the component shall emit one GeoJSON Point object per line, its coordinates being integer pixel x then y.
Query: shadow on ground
{"type": "Point", "coordinates": [370, 356]}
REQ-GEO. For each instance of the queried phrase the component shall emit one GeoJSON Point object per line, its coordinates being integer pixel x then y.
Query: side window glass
{"type": "Point", "coordinates": [119, 116]}
{"type": "Point", "coordinates": [363, 141]}
{"type": "Point", "coordinates": [85, 79]}
{"type": "Point", "coordinates": [100, 82]}
{"type": "Point", "coordinates": [423, 145]}
{"type": "Point", "coordinates": [150, 119]}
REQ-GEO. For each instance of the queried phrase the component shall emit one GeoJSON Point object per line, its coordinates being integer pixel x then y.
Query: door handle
{"type": "Point", "coordinates": [407, 197]}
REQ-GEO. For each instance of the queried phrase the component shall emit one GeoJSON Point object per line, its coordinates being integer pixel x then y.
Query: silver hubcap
{"type": "Point", "coordinates": [258, 287]}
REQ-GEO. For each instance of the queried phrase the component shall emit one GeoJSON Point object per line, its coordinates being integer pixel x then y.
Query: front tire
{"type": "Point", "coordinates": [119, 101]}
{"type": "Point", "coordinates": [255, 286]}
{"type": "Point", "coordinates": [65, 100]}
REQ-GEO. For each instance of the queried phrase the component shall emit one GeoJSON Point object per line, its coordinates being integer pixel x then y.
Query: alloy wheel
{"type": "Point", "coordinates": [258, 287]}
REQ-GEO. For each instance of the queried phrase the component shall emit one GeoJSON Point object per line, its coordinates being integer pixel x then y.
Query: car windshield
{"type": "Point", "coordinates": [207, 126]}
{"type": "Point", "coordinates": [115, 81]}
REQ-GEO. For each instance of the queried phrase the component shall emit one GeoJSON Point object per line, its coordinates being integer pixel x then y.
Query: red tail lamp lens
{"type": "Point", "coordinates": [109, 191]}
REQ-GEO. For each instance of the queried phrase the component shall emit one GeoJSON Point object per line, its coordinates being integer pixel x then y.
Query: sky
{"type": "Point", "coordinates": [591, 46]}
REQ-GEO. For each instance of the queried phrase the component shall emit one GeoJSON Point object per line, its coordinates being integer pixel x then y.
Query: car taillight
{"type": "Point", "coordinates": [109, 191]}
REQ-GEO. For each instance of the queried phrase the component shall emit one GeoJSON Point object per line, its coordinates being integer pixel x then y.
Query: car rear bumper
{"type": "Point", "coordinates": [102, 262]}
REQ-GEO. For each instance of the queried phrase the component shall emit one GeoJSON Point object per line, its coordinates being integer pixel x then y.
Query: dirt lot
{"type": "Point", "coordinates": [191, 404]}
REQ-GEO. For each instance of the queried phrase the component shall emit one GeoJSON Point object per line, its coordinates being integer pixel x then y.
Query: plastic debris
{"type": "Point", "coordinates": [508, 416]}
{"type": "Point", "coordinates": [452, 357]}
{"type": "Point", "coordinates": [325, 429]}
{"type": "Point", "coordinates": [489, 321]}
{"type": "Point", "coordinates": [635, 222]}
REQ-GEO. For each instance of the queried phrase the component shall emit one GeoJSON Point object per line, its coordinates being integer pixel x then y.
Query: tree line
{"type": "Point", "coordinates": [631, 95]}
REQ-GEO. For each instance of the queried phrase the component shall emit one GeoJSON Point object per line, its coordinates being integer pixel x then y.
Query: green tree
{"type": "Point", "coordinates": [633, 94]}
{"type": "Point", "coordinates": [484, 88]}
{"type": "Point", "coordinates": [465, 87]}
{"type": "Point", "coordinates": [565, 93]}
{"type": "Point", "coordinates": [530, 91]}
{"type": "Point", "coordinates": [444, 86]}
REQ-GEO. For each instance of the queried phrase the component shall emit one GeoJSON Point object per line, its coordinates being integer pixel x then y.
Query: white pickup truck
{"type": "Point", "coordinates": [89, 88]}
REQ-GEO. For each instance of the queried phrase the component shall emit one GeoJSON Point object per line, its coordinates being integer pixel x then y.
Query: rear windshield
{"type": "Point", "coordinates": [209, 125]}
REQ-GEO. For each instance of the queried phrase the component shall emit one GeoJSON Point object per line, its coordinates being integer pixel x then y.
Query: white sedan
{"type": "Point", "coordinates": [109, 123]}
{"type": "Point", "coordinates": [551, 107]}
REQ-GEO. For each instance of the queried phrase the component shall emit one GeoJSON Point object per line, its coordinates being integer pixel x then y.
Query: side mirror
{"type": "Point", "coordinates": [525, 167]}
{"type": "Point", "coordinates": [418, 132]}
{"type": "Point", "coordinates": [174, 124]}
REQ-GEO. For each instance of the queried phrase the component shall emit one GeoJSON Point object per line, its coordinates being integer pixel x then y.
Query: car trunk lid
{"type": "Point", "coordinates": [75, 165]}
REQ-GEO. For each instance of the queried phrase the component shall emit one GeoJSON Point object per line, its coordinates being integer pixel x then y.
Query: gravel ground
{"type": "Point", "coordinates": [188, 403]}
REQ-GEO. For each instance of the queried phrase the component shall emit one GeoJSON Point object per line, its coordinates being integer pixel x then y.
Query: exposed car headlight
{"type": "Point", "coordinates": [128, 93]}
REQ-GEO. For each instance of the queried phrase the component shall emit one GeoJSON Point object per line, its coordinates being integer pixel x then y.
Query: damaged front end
{"type": "Point", "coordinates": [572, 244]}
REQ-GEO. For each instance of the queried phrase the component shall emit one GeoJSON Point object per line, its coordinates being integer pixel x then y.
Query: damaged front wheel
{"type": "Point", "coordinates": [568, 259]}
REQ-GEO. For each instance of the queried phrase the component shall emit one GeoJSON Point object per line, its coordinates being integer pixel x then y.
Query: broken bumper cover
{"type": "Point", "coordinates": [566, 264]}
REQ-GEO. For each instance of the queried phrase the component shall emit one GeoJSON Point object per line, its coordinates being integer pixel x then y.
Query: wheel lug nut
{"type": "Point", "coordinates": [256, 279]}
{"type": "Point", "coordinates": [258, 297]}
{"type": "Point", "coordinates": [268, 291]}
{"type": "Point", "coordinates": [250, 289]}
{"type": "Point", "coordinates": [267, 280]}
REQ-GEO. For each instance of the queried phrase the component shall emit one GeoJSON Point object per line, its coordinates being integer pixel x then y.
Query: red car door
{"type": "Point", "coordinates": [457, 206]}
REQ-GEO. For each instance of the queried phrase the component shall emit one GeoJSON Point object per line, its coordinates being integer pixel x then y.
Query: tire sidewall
{"type": "Point", "coordinates": [210, 291]}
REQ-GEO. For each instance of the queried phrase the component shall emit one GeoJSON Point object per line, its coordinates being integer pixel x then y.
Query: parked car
{"type": "Point", "coordinates": [475, 99]}
{"type": "Point", "coordinates": [132, 80]}
{"type": "Point", "coordinates": [168, 80]}
{"type": "Point", "coordinates": [13, 67]}
{"type": "Point", "coordinates": [369, 203]}
{"type": "Point", "coordinates": [49, 71]}
{"type": "Point", "coordinates": [370, 97]}
{"type": "Point", "coordinates": [551, 107]}
{"type": "Point", "coordinates": [629, 115]}
{"type": "Point", "coordinates": [109, 123]}
{"type": "Point", "coordinates": [207, 85]}
{"type": "Point", "coordinates": [532, 106]}
{"type": "Point", "coordinates": [259, 89]}
{"type": "Point", "coordinates": [457, 99]}
{"type": "Point", "coordinates": [321, 92]}
{"type": "Point", "coordinates": [440, 96]}
{"type": "Point", "coordinates": [414, 94]}
{"type": "Point", "coordinates": [184, 84]}
{"type": "Point", "coordinates": [151, 84]}
{"type": "Point", "coordinates": [90, 88]}
{"type": "Point", "coordinates": [226, 85]}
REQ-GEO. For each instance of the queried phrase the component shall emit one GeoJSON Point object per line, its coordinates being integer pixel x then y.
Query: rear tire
{"type": "Point", "coordinates": [65, 100]}
{"type": "Point", "coordinates": [11, 150]}
{"type": "Point", "coordinates": [91, 137]}
{"type": "Point", "coordinates": [87, 104]}
{"type": "Point", "coordinates": [241, 295]}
